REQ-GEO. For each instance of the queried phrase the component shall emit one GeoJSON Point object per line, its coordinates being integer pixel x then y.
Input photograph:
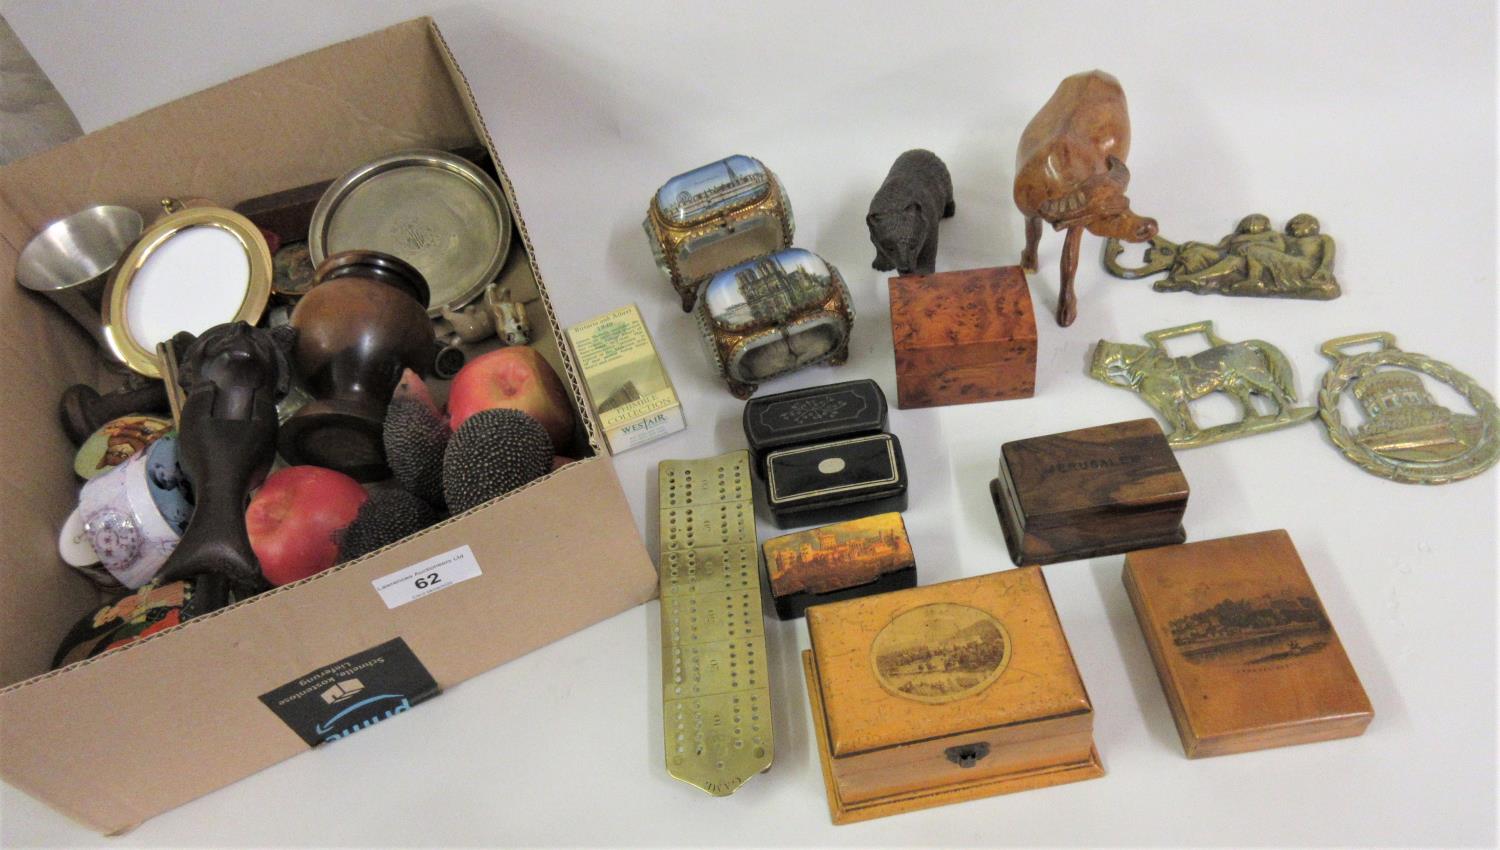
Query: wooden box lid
{"type": "Point", "coordinates": [957, 308]}
{"type": "Point", "coordinates": [1123, 466]}
{"type": "Point", "coordinates": [943, 660]}
{"type": "Point", "coordinates": [1245, 651]}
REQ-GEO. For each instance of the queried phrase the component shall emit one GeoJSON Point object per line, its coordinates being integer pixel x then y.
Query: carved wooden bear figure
{"type": "Point", "coordinates": [904, 213]}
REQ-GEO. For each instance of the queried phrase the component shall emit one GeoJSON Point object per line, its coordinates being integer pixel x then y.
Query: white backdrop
{"type": "Point", "coordinates": [1379, 119]}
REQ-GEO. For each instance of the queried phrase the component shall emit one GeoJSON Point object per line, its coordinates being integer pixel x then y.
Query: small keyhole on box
{"type": "Point", "coordinates": [829, 466]}
{"type": "Point", "coordinates": [967, 755]}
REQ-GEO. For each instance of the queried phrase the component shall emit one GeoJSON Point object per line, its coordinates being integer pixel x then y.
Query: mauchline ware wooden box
{"type": "Point", "coordinates": [1246, 654]}
{"type": "Point", "coordinates": [945, 693]}
{"type": "Point", "coordinates": [107, 741]}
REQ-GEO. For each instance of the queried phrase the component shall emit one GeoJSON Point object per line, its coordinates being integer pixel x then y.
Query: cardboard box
{"type": "Point", "coordinates": [119, 738]}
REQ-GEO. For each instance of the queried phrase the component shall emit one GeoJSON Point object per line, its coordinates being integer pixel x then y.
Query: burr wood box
{"type": "Point", "coordinates": [845, 560]}
{"type": "Point", "coordinates": [1246, 654]}
{"type": "Point", "coordinates": [945, 693]}
{"type": "Point", "coordinates": [1087, 493]}
{"type": "Point", "coordinates": [962, 337]}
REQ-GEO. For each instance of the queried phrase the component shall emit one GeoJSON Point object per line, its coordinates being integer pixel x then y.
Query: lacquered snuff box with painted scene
{"type": "Point", "coordinates": [945, 693]}
{"type": "Point", "coordinates": [845, 560]}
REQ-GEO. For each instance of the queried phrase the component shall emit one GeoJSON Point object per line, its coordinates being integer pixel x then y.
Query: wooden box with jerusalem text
{"type": "Point", "coordinates": [1089, 493]}
{"type": "Point", "coordinates": [945, 693]}
{"type": "Point", "coordinates": [962, 337]}
{"type": "Point", "coordinates": [1244, 648]}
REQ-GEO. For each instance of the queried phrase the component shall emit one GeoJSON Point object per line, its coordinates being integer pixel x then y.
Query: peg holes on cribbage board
{"type": "Point", "coordinates": [716, 700]}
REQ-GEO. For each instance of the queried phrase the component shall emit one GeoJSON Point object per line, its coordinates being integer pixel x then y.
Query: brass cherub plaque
{"type": "Point", "coordinates": [1254, 260]}
{"type": "Point", "coordinates": [1406, 436]}
{"type": "Point", "coordinates": [1242, 369]}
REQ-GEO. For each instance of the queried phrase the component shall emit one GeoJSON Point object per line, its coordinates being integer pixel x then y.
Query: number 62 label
{"type": "Point", "coordinates": [427, 577]}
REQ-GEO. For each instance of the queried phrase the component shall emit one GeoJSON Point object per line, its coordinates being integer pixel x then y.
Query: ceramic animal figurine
{"type": "Point", "coordinates": [1070, 173]}
{"type": "Point", "coordinates": [1254, 260]}
{"type": "Point", "coordinates": [470, 324]}
{"type": "Point", "coordinates": [511, 324]}
{"type": "Point", "coordinates": [904, 213]}
{"type": "Point", "coordinates": [1167, 383]}
{"type": "Point", "coordinates": [493, 315]}
{"type": "Point", "coordinates": [231, 377]}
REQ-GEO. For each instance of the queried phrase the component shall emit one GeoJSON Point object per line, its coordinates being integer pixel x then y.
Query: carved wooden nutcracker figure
{"type": "Point", "coordinates": [1070, 172]}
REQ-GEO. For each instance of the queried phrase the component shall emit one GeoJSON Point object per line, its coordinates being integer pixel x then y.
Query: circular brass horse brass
{"type": "Point", "coordinates": [940, 653]}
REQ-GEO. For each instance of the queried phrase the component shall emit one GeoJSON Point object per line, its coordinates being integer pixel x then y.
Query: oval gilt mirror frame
{"type": "Point", "coordinates": [140, 354]}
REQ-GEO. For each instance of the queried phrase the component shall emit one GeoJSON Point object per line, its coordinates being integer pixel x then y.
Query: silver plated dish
{"type": "Point", "coordinates": [436, 211]}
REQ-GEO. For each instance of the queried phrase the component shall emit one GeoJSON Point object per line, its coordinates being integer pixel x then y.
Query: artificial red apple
{"type": "Point", "coordinates": [296, 519]}
{"type": "Point", "coordinates": [516, 377]}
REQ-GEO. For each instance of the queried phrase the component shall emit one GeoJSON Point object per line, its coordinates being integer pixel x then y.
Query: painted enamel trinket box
{"type": "Point", "coordinates": [773, 315]}
{"type": "Point", "coordinates": [715, 216]}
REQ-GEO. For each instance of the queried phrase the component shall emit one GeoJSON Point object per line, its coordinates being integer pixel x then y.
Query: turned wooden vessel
{"type": "Point", "coordinates": [1070, 173]}
{"type": "Point", "coordinates": [1244, 648]}
{"type": "Point", "coordinates": [363, 323]}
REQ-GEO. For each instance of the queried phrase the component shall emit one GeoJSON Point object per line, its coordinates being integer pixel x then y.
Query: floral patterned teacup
{"type": "Point", "coordinates": [131, 517]}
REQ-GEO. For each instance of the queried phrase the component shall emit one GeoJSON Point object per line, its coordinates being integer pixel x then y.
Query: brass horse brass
{"type": "Point", "coordinates": [1407, 436]}
{"type": "Point", "coordinates": [1167, 383]}
{"type": "Point", "coordinates": [1254, 260]}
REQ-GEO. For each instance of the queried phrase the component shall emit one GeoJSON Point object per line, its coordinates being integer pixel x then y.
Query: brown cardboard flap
{"type": "Point", "coordinates": [41, 351]}
{"type": "Point", "coordinates": [116, 739]}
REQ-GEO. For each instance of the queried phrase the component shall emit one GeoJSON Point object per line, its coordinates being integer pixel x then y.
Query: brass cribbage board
{"type": "Point", "coordinates": [716, 699]}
